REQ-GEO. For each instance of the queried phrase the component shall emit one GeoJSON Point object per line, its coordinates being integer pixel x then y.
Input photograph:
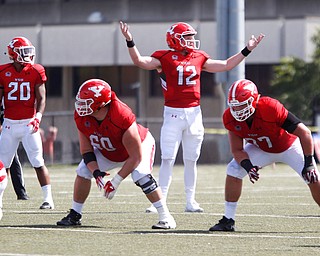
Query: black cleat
{"type": "Point", "coordinates": [46, 205]}
{"type": "Point", "coordinates": [22, 197]}
{"type": "Point", "coordinates": [72, 219]}
{"type": "Point", "coordinates": [224, 225]}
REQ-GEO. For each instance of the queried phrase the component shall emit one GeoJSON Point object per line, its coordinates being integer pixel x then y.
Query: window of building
{"type": "Point", "coordinates": [54, 82]}
{"type": "Point", "coordinates": [122, 79]}
{"type": "Point", "coordinates": [261, 75]}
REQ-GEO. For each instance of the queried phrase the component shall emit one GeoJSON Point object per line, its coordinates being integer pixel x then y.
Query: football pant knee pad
{"type": "Point", "coordinates": [147, 183]}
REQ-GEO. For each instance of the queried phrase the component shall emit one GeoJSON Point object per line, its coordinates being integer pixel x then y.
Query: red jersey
{"type": "Point", "coordinates": [107, 135]}
{"type": "Point", "coordinates": [265, 131]}
{"type": "Point", "coordinates": [180, 77]}
{"type": "Point", "coordinates": [19, 89]}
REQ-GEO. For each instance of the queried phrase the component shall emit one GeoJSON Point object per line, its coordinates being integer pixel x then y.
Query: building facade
{"type": "Point", "coordinates": [76, 40]}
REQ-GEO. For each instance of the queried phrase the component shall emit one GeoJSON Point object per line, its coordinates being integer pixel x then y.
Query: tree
{"type": "Point", "coordinates": [296, 83]}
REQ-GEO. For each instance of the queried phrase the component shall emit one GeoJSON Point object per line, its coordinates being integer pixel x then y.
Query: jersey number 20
{"type": "Point", "coordinates": [23, 90]}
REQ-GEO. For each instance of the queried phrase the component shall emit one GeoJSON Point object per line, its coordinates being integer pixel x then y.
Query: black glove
{"type": "Point", "coordinates": [98, 175]}
{"type": "Point", "coordinates": [251, 170]}
{"type": "Point", "coordinates": [309, 172]}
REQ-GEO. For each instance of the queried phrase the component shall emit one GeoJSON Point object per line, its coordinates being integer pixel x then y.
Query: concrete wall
{"type": "Point", "coordinates": [103, 44]}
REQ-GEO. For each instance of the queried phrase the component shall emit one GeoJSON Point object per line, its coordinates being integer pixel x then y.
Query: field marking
{"type": "Point", "coordinates": [167, 233]}
{"type": "Point", "coordinates": [19, 254]}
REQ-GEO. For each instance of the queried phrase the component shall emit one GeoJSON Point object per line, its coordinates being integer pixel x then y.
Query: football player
{"type": "Point", "coordinates": [272, 134]}
{"type": "Point", "coordinates": [109, 138]}
{"type": "Point", "coordinates": [16, 171]}
{"type": "Point", "coordinates": [22, 89]}
{"type": "Point", "coordinates": [180, 69]}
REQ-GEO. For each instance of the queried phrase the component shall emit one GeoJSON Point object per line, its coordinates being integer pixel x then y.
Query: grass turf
{"type": "Point", "coordinates": [275, 216]}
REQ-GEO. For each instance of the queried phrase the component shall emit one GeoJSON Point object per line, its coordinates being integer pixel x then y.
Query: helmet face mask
{"type": "Point", "coordinates": [93, 94]}
{"type": "Point", "coordinates": [83, 106]}
{"type": "Point", "coordinates": [21, 50]}
{"type": "Point", "coordinates": [180, 36]}
{"type": "Point", "coordinates": [242, 99]}
{"type": "Point", "coordinates": [241, 111]}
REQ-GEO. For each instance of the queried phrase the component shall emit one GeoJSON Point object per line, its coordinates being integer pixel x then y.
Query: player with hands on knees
{"type": "Point", "coordinates": [272, 134]}
{"type": "Point", "coordinates": [180, 69]}
{"type": "Point", "coordinates": [110, 138]}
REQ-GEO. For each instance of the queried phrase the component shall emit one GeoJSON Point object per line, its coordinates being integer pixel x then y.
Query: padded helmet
{"type": "Point", "coordinates": [93, 94]}
{"type": "Point", "coordinates": [242, 99]}
{"type": "Point", "coordinates": [21, 50]}
{"type": "Point", "coordinates": [176, 40]}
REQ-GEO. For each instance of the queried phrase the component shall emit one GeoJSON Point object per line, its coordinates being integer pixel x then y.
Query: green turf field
{"type": "Point", "coordinates": [276, 216]}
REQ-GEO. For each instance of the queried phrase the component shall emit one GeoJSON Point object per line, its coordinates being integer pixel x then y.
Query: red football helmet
{"type": "Point", "coordinates": [242, 99]}
{"type": "Point", "coordinates": [176, 40]}
{"type": "Point", "coordinates": [20, 49]}
{"type": "Point", "coordinates": [93, 94]}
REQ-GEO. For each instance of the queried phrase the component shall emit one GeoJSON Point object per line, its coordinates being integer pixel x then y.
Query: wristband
{"type": "Point", "coordinates": [130, 44]}
{"type": "Point", "coordinates": [246, 164]}
{"type": "Point", "coordinates": [308, 160]}
{"type": "Point", "coordinates": [117, 180]}
{"type": "Point", "coordinates": [96, 173]}
{"type": "Point", "coordinates": [38, 116]}
{"type": "Point", "coordinates": [89, 157]}
{"type": "Point", "coordinates": [245, 51]}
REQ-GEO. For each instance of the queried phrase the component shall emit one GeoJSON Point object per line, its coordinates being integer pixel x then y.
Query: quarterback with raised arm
{"type": "Point", "coordinates": [180, 69]}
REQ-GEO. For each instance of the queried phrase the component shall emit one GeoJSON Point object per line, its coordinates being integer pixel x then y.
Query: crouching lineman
{"type": "Point", "coordinates": [273, 134]}
{"type": "Point", "coordinates": [110, 137]}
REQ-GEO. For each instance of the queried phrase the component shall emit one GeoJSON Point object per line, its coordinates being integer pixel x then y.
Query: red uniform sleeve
{"type": "Point", "coordinates": [42, 74]}
{"type": "Point", "coordinates": [273, 111]}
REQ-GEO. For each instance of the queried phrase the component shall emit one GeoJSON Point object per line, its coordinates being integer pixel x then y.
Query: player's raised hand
{"type": "Point", "coordinates": [253, 42]}
{"type": "Point", "coordinates": [125, 30]}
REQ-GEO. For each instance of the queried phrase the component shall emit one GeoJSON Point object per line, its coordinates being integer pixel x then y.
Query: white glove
{"type": "Point", "coordinates": [111, 186]}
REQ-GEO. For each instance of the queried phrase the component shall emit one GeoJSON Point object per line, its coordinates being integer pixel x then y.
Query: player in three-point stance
{"type": "Point", "coordinates": [272, 134]}
{"type": "Point", "coordinates": [109, 138]}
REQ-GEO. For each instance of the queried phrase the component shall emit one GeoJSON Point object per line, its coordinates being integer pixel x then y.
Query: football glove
{"type": "Point", "coordinates": [98, 175]}
{"type": "Point", "coordinates": [251, 170]}
{"type": "Point", "coordinates": [111, 186]}
{"type": "Point", "coordinates": [253, 174]}
{"type": "Point", "coordinates": [35, 123]}
{"type": "Point", "coordinates": [309, 172]}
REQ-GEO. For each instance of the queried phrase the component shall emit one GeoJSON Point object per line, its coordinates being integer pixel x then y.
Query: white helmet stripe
{"type": "Point", "coordinates": [234, 89]}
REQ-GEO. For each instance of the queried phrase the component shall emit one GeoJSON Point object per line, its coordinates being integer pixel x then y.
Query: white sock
{"type": "Point", "coordinates": [190, 180]}
{"type": "Point", "coordinates": [47, 195]}
{"type": "Point", "coordinates": [162, 209]}
{"type": "Point", "coordinates": [3, 184]}
{"type": "Point", "coordinates": [165, 175]}
{"type": "Point", "coordinates": [230, 209]}
{"type": "Point", "coordinates": [77, 206]}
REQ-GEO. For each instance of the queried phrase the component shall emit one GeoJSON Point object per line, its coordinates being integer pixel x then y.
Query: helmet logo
{"type": "Point", "coordinates": [97, 90]}
{"type": "Point", "coordinates": [11, 44]}
{"type": "Point", "coordinates": [170, 30]}
{"type": "Point", "coordinates": [249, 86]}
